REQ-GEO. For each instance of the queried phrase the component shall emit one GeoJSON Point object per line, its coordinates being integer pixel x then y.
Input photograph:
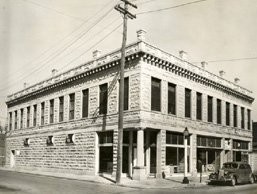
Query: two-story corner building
{"type": "Point", "coordinates": [254, 153]}
{"type": "Point", "coordinates": [69, 122]}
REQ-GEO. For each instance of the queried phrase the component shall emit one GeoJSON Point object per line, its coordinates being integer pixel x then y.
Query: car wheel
{"type": "Point", "coordinates": [251, 179]}
{"type": "Point", "coordinates": [233, 181]}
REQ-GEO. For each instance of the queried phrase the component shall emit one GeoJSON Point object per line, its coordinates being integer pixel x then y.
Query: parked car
{"type": "Point", "coordinates": [233, 173]}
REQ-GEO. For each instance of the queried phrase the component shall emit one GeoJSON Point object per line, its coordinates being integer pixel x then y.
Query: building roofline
{"type": "Point", "coordinates": [114, 57]}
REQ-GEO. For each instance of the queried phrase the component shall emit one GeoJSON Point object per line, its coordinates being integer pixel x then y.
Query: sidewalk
{"type": "Point", "coordinates": [150, 183]}
{"type": "Point", "coordinates": [170, 182]}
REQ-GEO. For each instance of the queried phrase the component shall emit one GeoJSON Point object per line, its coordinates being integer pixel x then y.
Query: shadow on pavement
{"type": "Point", "coordinates": [7, 189]}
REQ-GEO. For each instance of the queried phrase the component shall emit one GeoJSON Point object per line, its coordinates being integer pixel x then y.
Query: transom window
{"type": "Point", "coordinates": [105, 137]}
{"type": "Point", "coordinates": [208, 141]}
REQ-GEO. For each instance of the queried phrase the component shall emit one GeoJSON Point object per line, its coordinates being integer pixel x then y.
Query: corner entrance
{"type": "Point", "coordinates": [150, 140]}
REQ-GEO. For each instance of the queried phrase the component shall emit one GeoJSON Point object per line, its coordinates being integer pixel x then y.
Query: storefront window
{"type": "Point", "coordinates": [105, 151]}
{"type": "Point", "coordinates": [175, 138]}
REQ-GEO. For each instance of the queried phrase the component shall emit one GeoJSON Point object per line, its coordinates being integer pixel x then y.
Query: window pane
{"type": "Point", "coordinates": [227, 113]}
{"type": "Point", "coordinates": [103, 100]}
{"type": "Point", "coordinates": [72, 102]}
{"type": "Point", "coordinates": [198, 106]}
{"type": "Point", "coordinates": [242, 117]}
{"type": "Point", "coordinates": [28, 116]}
{"type": "Point", "coordinates": [61, 101]}
{"type": "Point", "coordinates": [126, 93]}
{"type": "Point", "coordinates": [171, 99]}
{"type": "Point", "coordinates": [218, 111]}
{"type": "Point", "coordinates": [248, 119]}
{"type": "Point", "coordinates": [235, 115]}
{"type": "Point", "coordinates": [156, 95]}
{"type": "Point", "coordinates": [42, 113]}
{"type": "Point", "coordinates": [210, 108]}
{"type": "Point", "coordinates": [51, 111]}
{"type": "Point", "coordinates": [187, 103]}
{"type": "Point", "coordinates": [21, 119]}
{"type": "Point", "coordinates": [85, 103]}
{"type": "Point", "coordinates": [35, 115]}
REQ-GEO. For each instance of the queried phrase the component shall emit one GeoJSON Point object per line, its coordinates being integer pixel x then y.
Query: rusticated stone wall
{"type": "Point", "coordinates": [2, 149]}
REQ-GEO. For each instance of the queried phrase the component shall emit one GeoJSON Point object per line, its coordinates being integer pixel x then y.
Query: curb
{"type": "Point", "coordinates": [109, 182]}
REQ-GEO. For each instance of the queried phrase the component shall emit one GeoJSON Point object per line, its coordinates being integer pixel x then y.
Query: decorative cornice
{"type": "Point", "coordinates": [152, 55]}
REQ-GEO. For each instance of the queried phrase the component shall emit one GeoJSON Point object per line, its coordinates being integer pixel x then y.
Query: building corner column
{"type": "Point", "coordinates": [193, 155]}
{"type": "Point", "coordinates": [139, 169]}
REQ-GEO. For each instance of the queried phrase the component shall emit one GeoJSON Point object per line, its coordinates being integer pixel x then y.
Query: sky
{"type": "Point", "coordinates": [37, 36]}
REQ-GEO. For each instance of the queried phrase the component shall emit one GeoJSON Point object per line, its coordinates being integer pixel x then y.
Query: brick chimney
{"type": "Point", "coordinates": [96, 54]}
{"type": "Point", "coordinates": [236, 80]}
{"type": "Point", "coordinates": [222, 73]}
{"type": "Point", "coordinates": [183, 55]}
{"type": "Point", "coordinates": [141, 35]}
{"type": "Point", "coordinates": [25, 85]}
{"type": "Point", "coordinates": [204, 64]}
{"type": "Point", "coordinates": [54, 72]}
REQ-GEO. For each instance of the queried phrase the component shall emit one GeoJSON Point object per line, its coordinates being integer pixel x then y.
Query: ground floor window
{"type": "Point", "coordinates": [105, 151]}
{"type": "Point", "coordinates": [210, 159]}
{"type": "Point", "coordinates": [239, 156]}
{"type": "Point", "coordinates": [106, 159]}
{"type": "Point", "coordinates": [175, 159]}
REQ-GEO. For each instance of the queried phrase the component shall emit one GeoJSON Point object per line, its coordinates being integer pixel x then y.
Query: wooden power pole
{"type": "Point", "coordinates": [126, 14]}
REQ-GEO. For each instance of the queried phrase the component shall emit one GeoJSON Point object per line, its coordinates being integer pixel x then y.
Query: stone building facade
{"type": "Point", "coordinates": [254, 153]}
{"type": "Point", "coordinates": [68, 123]}
{"type": "Point", "coordinates": [2, 149]}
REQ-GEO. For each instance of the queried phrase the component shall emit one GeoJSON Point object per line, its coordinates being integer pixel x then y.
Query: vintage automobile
{"type": "Point", "coordinates": [233, 173]}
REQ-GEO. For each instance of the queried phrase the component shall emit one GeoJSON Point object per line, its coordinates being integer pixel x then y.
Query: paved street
{"type": "Point", "coordinates": [20, 183]}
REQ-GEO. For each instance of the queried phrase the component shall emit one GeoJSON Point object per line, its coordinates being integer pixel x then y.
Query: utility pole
{"type": "Point", "coordinates": [126, 14]}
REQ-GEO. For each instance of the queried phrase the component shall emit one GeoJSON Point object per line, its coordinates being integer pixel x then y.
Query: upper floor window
{"type": "Point", "coordinates": [126, 93]}
{"type": "Point", "coordinates": [156, 94]}
{"type": "Point", "coordinates": [187, 103]}
{"type": "Point", "coordinates": [10, 120]}
{"type": "Point", "coordinates": [242, 117]}
{"type": "Point", "coordinates": [235, 115]}
{"type": "Point", "coordinates": [210, 107]}
{"type": "Point", "coordinates": [218, 111]}
{"type": "Point", "coordinates": [103, 99]}
{"type": "Point", "coordinates": [85, 103]}
{"type": "Point", "coordinates": [227, 113]}
{"type": "Point", "coordinates": [42, 113]}
{"type": "Point", "coordinates": [248, 119]}
{"type": "Point", "coordinates": [51, 111]}
{"type": "Point", "coordinates": [15, 119]}
{"type": "Point", "coordinates": [21, 121]}
{"type": "Point", "coordinates": [35, 115]}
{"type": "Point", "coordinates": [61, 100]}
{"type": "Point", "coordinates": [28, 116]}
{"type": "Point", "coordinates": [198, 106]}
{"type": "Point", "coordinates": [72, 106]}
{"type": "Point", "coordinates": [171, 98]}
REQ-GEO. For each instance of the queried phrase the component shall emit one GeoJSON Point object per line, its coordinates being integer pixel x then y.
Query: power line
{"type": "Point", "coordinates": [70, 62]}
{"type": "Point", "coordinates": [167, 8]}
{"type": "Point", "coordinates": [54, 55]}
{"type": "Point", "coordinates": [95, 35]}
{"type": "Point", "coordinates": [65, 37]}
{"type": "Point", "coordinates": [54, 10]}
{"type": "Point", "coordinates": [231, 60]}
